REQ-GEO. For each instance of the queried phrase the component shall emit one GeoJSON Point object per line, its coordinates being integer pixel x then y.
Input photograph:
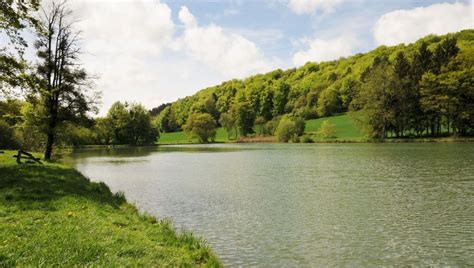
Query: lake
{"type": "Point", "coordinates": [305, 204]}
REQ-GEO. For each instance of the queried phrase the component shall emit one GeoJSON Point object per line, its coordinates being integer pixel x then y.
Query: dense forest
{"type": "Point", "coordinates": [421, 89]}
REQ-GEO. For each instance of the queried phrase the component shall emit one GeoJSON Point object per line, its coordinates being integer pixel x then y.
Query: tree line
{"type": "Point", "coordinates": [430, 95]}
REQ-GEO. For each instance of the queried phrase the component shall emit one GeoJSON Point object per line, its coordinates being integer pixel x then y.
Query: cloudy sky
{"type": "Point", "coordinates": [157, 51]}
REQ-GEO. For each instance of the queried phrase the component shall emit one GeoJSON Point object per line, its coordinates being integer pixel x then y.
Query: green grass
{"type": "Point", "coordinates": [51, 215]}
{"type": "Point", "coordinates": [344, 126]}
{"type": "Point", "coordinates": [345, 130]}
{"type": "Point", "coordinates": [181, 138]}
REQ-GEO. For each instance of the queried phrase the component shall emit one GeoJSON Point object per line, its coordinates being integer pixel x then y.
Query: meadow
{"type": "Point", "coordinates": [344, 130]}
{"type": "Point", "coordinates": [54, 216]}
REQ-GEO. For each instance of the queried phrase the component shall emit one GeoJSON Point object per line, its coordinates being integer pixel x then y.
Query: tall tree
{"type": "Point", "coordinates": [375, 100]}
{"type": "Point", "coordinates": [405, 99]}
{"type": "Point", "coordinates": [201, 126]}
{"type": "Point", "coordinates": [139, 129]}
{"type": "Point", "coordinates": [280, 97]}
{"type": "Point", "coordinates": [244, 116]}
{"type": "Point", "coordinates": [228, 122]}
{"type": "Point", "coordinates": [62, 85]}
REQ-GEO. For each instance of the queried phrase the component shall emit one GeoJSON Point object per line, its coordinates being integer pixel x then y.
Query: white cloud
{"type": "Point", "coordinates": [312, 6]}
{"type": "Point", "coordinates": [406, 26]}
{"type": "Point", "coordinates": [187, 18]}
{"type": "Point", "coordinates": [140, 54]}
{"type": "Point", "coordinates": [229, 53]}
{"type": "Point", "coordinates": [123, 44]}
{"type": "Point", "coordinates": [325, 49]}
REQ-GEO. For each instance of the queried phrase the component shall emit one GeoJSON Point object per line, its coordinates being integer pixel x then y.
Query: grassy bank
{"type": "Point", "coordinates": [51, 215]}
{"type": "Point", "coordinates": [181, 138]}
{"type": "Point", "coordinates": [345, 130]}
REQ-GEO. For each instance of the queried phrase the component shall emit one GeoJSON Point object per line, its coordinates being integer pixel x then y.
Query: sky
{"type": "Point", "coordinates": [154, 52]}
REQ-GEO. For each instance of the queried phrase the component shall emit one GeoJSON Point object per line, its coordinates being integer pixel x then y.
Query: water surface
{"type": "Point", "coordinates": [306, 205]}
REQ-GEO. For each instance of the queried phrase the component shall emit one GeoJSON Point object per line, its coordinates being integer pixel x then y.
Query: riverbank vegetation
{"type": "Point", "coordinates": [54, 216]}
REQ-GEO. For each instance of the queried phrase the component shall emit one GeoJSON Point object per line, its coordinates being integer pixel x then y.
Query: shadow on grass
{"type": "Point", "coordinates": [32, 186]}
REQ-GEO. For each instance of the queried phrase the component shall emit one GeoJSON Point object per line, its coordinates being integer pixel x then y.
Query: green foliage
{"type": "Point", "coordinates": [271, 126]}
{"type": "Point", "coordinates": [260, 122]}
{"type": "Point", "coordinates": [328, 88]}
{"type": "Point", "coordinates": [228, 122]}
{"type": "Point", "coordinates": [201, 126]}
{"type": "Point", "coordinates": [376, 98]}
{"type": "Point", "coordinates": [59, 86]}
{"type": "Point", "coordinates": [77, 135]}
{"type": "Point", "coordinates": [139, 128]}
{"type": "Point", "coordinates": [327, 130]}
{"type": "Point", "coordinates": [244, 117]}
{"type": "Point", "coordinates": [306, 139]}
{"type": "Point", "coordinates": [345, 128]}
{"type": "Point", "coordinates": [127, 124]}
{"type": "Point", "coordinates": [15, 17]}
{"type": "Point", "coordinates": [166, 120]}
{"type": "Point", "coordinates": [328, 103]}
{"type": "Point", "coordinates": [428, 96]}
{"type": "Point", "coordinates": [286, 130]}
{"type": "Point", "coordinates": [62, 219]}
{"type": "Point", "coordinates": [299, 126]}
{"type": "Point", "coordinates": [104, 130]}
{"type": "Point", "coordinates": [289, 129]}
{"type": "Point", "coordinates": [7, 138]}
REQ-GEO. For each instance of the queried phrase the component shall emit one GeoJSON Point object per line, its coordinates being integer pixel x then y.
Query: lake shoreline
{"type": "Point", "coordinates": [390, 140]}
{"type": "Point", "coordinates": [41, 204]}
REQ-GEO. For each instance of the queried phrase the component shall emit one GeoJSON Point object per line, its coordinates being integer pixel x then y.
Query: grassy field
{"type": "Point", "coordinates": [51, 215]}
{"type": "Point", "coordinates": [181, 138]}
{"type": "Point", "coordinates": [345, 130]}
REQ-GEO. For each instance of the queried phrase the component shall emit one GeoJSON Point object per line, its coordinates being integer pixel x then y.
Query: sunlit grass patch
{"type": "Point", "coordinates": [52, 215]}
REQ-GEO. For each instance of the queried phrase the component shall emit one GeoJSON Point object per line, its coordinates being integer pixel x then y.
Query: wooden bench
{"type": "Point", "coordinates": [27, 156]}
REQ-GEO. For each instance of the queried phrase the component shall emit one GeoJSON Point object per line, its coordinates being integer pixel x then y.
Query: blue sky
{"type": "Point", "coordinates": [250, 17]}
{"type": "Point", "coordinates": [152, 51]}
{"type": "Point", "coordinates": [280, 26]}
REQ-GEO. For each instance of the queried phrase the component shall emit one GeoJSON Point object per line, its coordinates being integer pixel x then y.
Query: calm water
{"type": "Point", "coordinates": [306, 205]}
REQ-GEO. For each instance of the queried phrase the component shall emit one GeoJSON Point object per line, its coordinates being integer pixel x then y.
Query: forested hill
{"type": "Point", "coordinates": [408, 100]}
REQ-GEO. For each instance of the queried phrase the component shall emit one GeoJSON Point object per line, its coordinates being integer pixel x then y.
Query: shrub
{"type": "Point", "coordinates": [326, 130]}
{"type": "Point", "coordinates": [201, 126]}
{"type": "Point", "coordinates": [299, 126]}
{"type": "Point", "coordinates": [306, 139]}
{"type": "Point", "coordinates": [260, 125]}
{"type": "Point", "coordinates": [272, 125]}
{"type": "Point", "coordinates": [286, 130]}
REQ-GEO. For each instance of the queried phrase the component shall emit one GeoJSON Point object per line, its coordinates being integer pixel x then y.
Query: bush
{"type": "Point", "coordinates": [260, 125]}
{"type": "Point", "coordinates": [326, 130]}
{"type": "Point", "coordinates": [272, 125]}
{"type": "Point", "coordinates": [306, 139]}
{"type": "Point", "coordinates": [286, 130]}
{"type": "Point", "coordinates": [77, 135]}
{"type": "Point", "coordinates": [201, 126]}
{"type": "Point", "coordinates": [299, 126]}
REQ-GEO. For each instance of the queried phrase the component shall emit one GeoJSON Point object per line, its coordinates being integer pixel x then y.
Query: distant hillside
{"type": "Point", "coordinates": [311, 91]}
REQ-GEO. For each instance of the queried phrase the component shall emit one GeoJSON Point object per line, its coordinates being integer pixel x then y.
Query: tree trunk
{"type": "Point", "coordinates": [49, 146]}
